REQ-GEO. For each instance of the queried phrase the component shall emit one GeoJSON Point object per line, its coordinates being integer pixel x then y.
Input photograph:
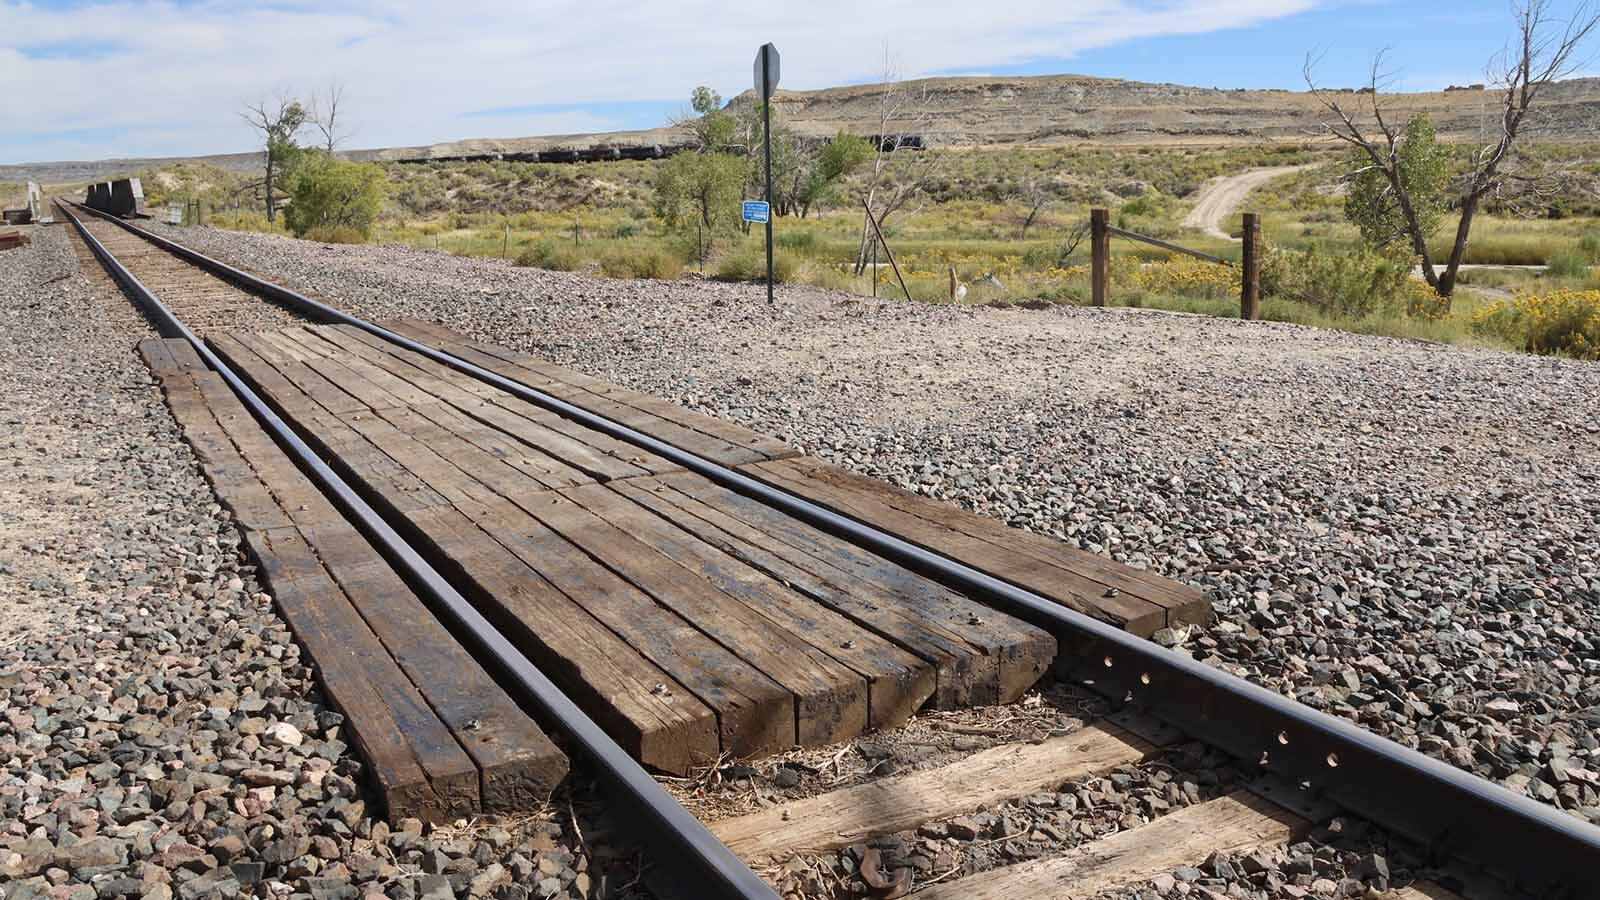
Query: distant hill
{"type": "Point", "coordinates": [1042, 109]}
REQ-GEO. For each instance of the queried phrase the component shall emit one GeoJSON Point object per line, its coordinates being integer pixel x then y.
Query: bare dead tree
{"type": "Point", "coordinates": [325, 116]}
{"type": "Point", "coordinates": [1033, 194]}
{"type": "Point", "coordinates": [1545, 50]}
{"type": "Point", "coordinates": [896, 175]}
{"type": "Point", "coordinates": [278, 122]}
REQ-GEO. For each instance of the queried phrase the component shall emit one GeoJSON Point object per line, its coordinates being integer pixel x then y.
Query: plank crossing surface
{"type": "Point", "coordinates": [1136, 600]}
{"type": "Point", "coordinates": [689, 621]}
{"type": "Point", "coordinates": [441, 740]}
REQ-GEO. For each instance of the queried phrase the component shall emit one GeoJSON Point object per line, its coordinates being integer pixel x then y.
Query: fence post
{"type": "Point", "coordinates": [1250, 277]}
{"type": "Point", "coordinates": [1100, 254]}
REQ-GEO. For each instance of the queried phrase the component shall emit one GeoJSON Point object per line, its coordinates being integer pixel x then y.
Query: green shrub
{"type": "Point", "coordinates": [798, 241]}
{"type": "Point", "coordinates": [557, 255]}
{"type": "Point", "coordinates": [639, 260]}
{"type": "Point", "coordinates": [1352, 283]}
{"type": "Point", "coordinates": [749, 263]}
{"type": "Point", "coordinates": [1564, 323]}
{"type": "Point", "coordinates": [1567, 265]}
{"type": "Point", "coordinates": [331, 193]}
{"type": "Point", "coordinates": [1589, 246]}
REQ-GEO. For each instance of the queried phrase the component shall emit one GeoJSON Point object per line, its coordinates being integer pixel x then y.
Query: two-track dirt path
{"type": "Point", "coordinates": [1222, 196]}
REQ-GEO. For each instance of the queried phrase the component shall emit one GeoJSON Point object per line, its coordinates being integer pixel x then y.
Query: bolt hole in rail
{"type": "Point", "coordinates": [1533, 847]}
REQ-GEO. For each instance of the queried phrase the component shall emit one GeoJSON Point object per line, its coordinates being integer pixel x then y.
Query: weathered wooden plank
{"type": "Point", "coordinates": [437, 472]}
{"type": "Point", "coordinates": [294, 494]}
{"type": "Point", "coordinates": [718, 439]}
{"type": "Point", "coordinates": [1182, 602]}
{"type": "Point", "coordinates": [519, 765]}
{"type": "Point", "coordinates": [544, 468]}
{"type": "Point", "coordinates": [325, 393]}
{"type": "Point", "coordinates": [898, 681]}
{"type": "Point", "coordinates": [755, 715]}
{"type": "Point", "coordinates": [962, 670]}
{"type": "Point", "coordinates": [830, 699]}
{"type": "Point", "coordinates": [830, 488]}
{"type": "Point", "coordinates": [1237, 823]}
{"type": "Point", "coordinates": [157, 356]}
{"type": "Point", "coordinates": [887, 805]}
{"type": "Point", "coordinates": [483, 467]}
{"type": "Point", "coordinates": [644, 709]}
{"type": "Point", "coordinates": [1019, 652]}
{"type": "Point", "coordinates": [375, 389]}
{"type": "Point", "coordinates": [262, 376]}
{"type": "Point", "coordinates": [419, 768]}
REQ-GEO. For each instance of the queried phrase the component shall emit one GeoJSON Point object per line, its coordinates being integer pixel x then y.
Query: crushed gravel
{"type": "Point", "coordinates": [1400, 533]}
{"type": "Point", "coordinates": [160, 736]}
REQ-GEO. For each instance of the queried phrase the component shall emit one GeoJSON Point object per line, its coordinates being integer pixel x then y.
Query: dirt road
{"type": "Point", "coordinates": [1221, 197]}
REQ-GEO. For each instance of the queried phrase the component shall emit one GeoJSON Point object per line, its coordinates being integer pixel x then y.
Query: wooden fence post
{"type": "Point", "coordinates": [1100, 254]}
{"type": "Point", "coordinates": [1250, 277]}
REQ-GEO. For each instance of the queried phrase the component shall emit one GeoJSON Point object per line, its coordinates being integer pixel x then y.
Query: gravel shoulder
{"type": "Point", "coordinates": [1399, 533]}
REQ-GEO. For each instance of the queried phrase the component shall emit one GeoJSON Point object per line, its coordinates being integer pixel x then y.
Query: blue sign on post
{"type": "Point", "coordinates": [756, 210]}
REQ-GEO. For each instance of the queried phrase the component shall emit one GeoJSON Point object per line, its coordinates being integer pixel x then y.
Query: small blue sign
{"type": "Point", "coordinates": [756, 210]}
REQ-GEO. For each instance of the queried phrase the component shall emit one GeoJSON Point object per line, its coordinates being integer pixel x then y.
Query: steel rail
{"type": "Point", "coordinates": [1452, 813]}
{"type": "Point", "coordinates": [687, 860]}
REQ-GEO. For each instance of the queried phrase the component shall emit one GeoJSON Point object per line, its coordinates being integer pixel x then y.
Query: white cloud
{"type": "Point", "coordinates": [168, 78]}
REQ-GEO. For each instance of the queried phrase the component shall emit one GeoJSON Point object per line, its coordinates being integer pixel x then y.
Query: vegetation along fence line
{"type": "Point", "coordinates": [1101, 231]}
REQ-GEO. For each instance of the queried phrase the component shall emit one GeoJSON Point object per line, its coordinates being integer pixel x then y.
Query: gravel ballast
{"type": "Point", "coordinates": [1400, 533]}
{"type": "Point", "coordinates": [160, 735]}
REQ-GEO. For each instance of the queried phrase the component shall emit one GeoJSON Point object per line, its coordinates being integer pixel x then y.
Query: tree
{"type": "Point", "coordinates": [711, 128]}
{"type": "Point", "coordinates": [331, 195]}
{"type": "Point", "coordinates": [826, 168]}
{"type": "Point", "coordinates": [895, 174]}
{"type": "Point", "coordinates": [701, 191]}
{"type": "Point", "coordinates": [278, 123]}
{"type": "Point", "coordinates": [1372, 205]}
{"type": "Point", "coordinates": [1033, 194]}
{"type": "Point", "coordinates": [1545, 51]}
{"type": "Point", "coordinates": [325, 116]}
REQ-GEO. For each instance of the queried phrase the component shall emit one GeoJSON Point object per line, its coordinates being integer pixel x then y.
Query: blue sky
{"type": "Point", "coordinates": [91, 80]}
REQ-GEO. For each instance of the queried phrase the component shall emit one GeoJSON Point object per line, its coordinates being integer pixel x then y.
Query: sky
{"type": "Point", "coordinates": [129, 78]}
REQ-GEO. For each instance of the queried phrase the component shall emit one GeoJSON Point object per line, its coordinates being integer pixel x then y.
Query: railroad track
{"type": "Point", "coordinates": [1291, 768]}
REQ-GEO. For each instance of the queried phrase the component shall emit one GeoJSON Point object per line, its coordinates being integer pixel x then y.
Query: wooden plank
{"type": "Point", "coordinates": [898, 682]}
{"type": "Point", "coordinates": [755, 715]}
{"type": "Point", "coordinates": [567, 443]}
{"type": "Point", "coordinates": [518, 763]}
{"type": "Point", "coordinates": [644, 709]}
{"type": "Point", "coordinates": [546, 469]}
{"type": "Point", "coordinates": [375, 389]}
{"type": "Point", "coordinates": [888, 805]}
{"type": "Point", "coordinates": [485, 468]}
{"type": "Point", "coordinates": [157, 356]}
{"type": "Point", "coordinates": [729, 444]}
{"type": "Point", "coordinates": [293, 492]}
{"type": "Point", "coordinates": [231, 478]}
{"type": "Point", "coordinates": [263, 378]}
{"type": "Point", "coordinates": [1237, 823]}
{"type": "Point", "coordinates": [830, 699]}
{"type": "Point", "coordinates": [418, 767]}
{"type": "Point", "coordinates": [1183, 603]}
{"type": "Point", "coordinates": [436, 472]}
{"type": "Point", "coordinates": [962, 671]}
{"type": "Point", "coordinates": [1018, 652]}
{"type": "Point", "coordinates": [830, 487]}
{"type": "Point", "coordinates": [325, 393]}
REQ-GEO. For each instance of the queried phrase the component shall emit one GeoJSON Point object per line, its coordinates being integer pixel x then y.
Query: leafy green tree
{"type": "Point", "coordinates": [1422, 170]}
{"type": "Point", "coordinates": [829, 166]}
{"type": "Point", "coordinates": [333, 196]}
{"type": "Point", "coordinates": [701, 191]}
{"type": "Point", "coordinates": [278, 125]}
{"type": "Point", "coordinates": [712, 128]}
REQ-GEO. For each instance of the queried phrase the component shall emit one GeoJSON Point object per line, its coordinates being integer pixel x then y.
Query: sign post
{"type": "Point", "coordinates": [766, 72]}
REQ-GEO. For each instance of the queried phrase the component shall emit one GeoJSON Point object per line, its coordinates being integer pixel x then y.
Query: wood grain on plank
{"type": "Point", "coordinates": [1236, 823]}
{"type": "Point", "coordinates": [1016, 651]}
{"type": "Point", "coordinates": [419, 767]}
{"type": "Point", "coordinates": [654, 717]}
{"type": "Point", "coordinates": [755, 715]}
{"type": "Point", "coordinates": [898, 682]}
{"type": "Point", "coordinates": [519, 764]}
{"type": "Point", "coordinates": [887, 805]}
{"type": "Point", "coordinates": [930, 525]}
{"type": "Point", "coordinates": [830, 698]}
